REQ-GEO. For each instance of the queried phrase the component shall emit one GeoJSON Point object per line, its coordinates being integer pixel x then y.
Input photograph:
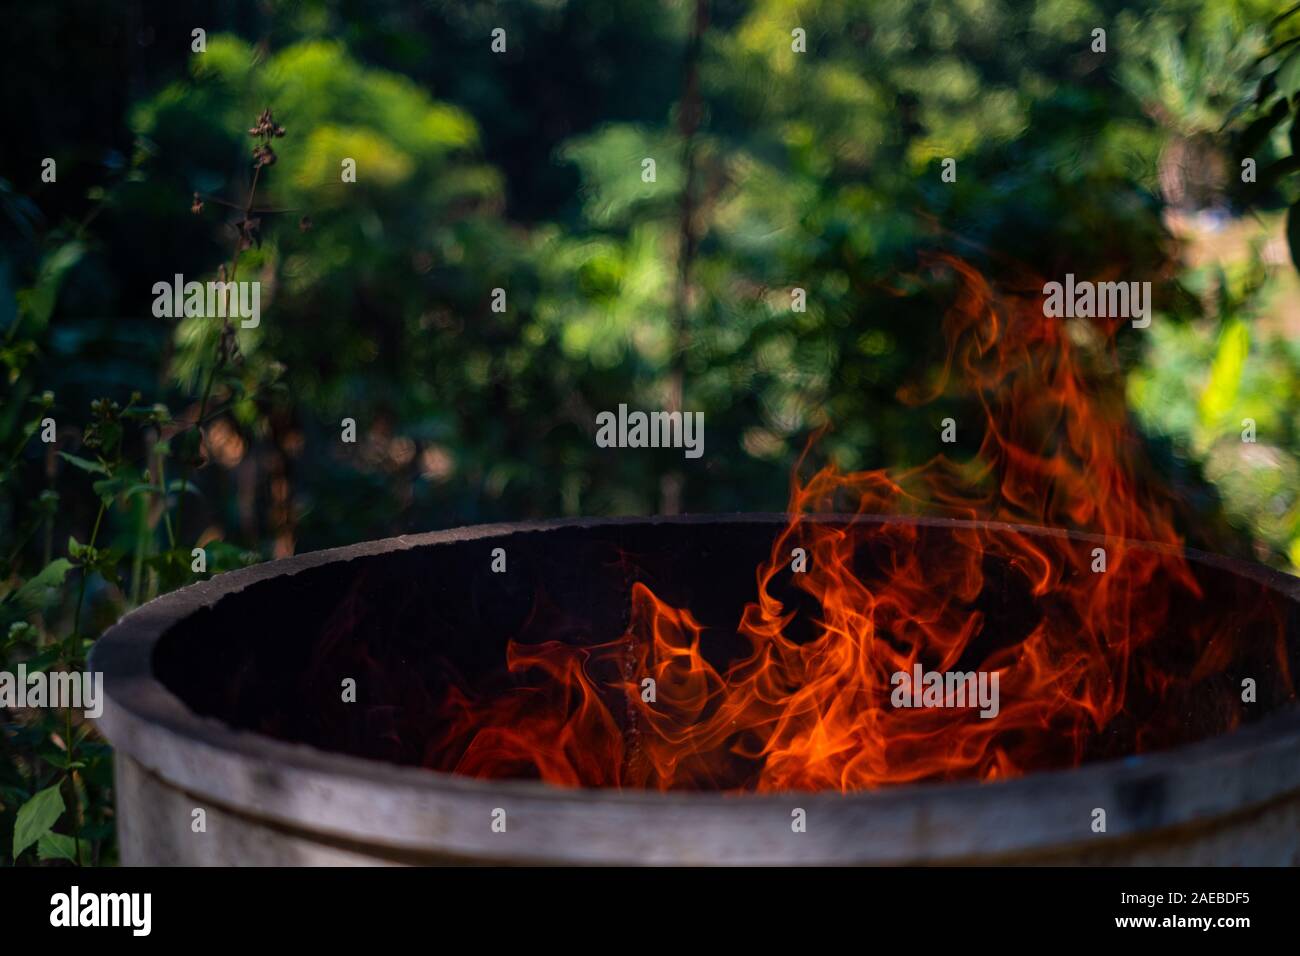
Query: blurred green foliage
{"type": "Point", "coordinates": [522, 171]}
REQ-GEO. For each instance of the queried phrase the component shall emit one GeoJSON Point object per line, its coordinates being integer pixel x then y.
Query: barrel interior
{"type": "Point", "coordinates": [408, 625]}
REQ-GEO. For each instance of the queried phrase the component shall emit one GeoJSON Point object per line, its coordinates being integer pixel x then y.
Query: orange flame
{"type": "Point", "coordinates": [813, 711]}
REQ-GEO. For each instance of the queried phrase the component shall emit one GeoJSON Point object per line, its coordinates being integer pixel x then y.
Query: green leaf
{"type": "Point", "coordinates": [20, 632]}
{"type": "Point", "coordinates": [177, 485]}
{"type": "Point", "coordinates": [1225, 374]}
{"type": "Point", "coordinates": [1254, 135]}
{"type": "Point", "coordinates": [1284, 15]}
{"type": "Point", "coordinates": [108, 488]}
{"type": "Point", "coordinates": [37, 303]}
{"type": "Point", "coordinates": [57, 846]}
{"type": "Point", "coordinates": [1288, 75]}
{"type": "Point", "coordinates": [142, 488]}
{"type": "Point", "coordinates": [224, 556]}
{"type": "Point", "coordinates": [84, 464]}
{"type": "Point", "coordinates": [36, 816]}
{"type": "Point", "coordinates": [57, 758]}
{"type": "Point", "coordinates": [35, 593]}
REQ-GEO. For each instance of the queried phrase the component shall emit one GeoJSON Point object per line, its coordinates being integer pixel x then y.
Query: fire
{"type": "Point", "coordinates": [1085, 667]}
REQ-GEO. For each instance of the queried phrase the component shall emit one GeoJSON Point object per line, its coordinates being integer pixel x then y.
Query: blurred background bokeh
{"type": "Point", "coordinates": [522, 170]}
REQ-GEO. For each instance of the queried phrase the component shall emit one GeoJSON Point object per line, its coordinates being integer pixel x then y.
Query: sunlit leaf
{"type": "Point", "coordinates": [36, 816]}
{"type": "Point", "coordinates": [35, 593]}
{"type": "Point", "coordinates": [85, 464]}
{"type": "Point", "coordinates": [1225, 373]}
{"type": "Point", "coordinates": [57, 846]}
{"type": "Point", "coordinates": [1288, 75]}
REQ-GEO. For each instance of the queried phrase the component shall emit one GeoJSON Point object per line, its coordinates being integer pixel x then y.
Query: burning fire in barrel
{"type": "Point", "coordinates": [925, 651]}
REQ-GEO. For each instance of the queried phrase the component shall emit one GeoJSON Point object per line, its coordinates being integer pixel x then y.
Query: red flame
{"type": "Point", "coordinates": [813, 711]}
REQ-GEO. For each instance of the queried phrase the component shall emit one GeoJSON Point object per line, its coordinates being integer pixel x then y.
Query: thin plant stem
{"type": "Point", "coordinates": [69, 748]}
{"type": "Point", "coordinates": [137, 562]}
{"type": "Point", "coordinates": [69, 776]}
{"type": "Point", "coordinates": [81, 588]}
{"type": "Point", "coordinates": [219, 362]}
{"type": "Point", "coordinates": [166, 514]}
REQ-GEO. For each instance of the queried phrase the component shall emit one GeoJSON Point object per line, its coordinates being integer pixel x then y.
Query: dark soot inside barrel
{"type": "Point", "coordinates": [405, 624]}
